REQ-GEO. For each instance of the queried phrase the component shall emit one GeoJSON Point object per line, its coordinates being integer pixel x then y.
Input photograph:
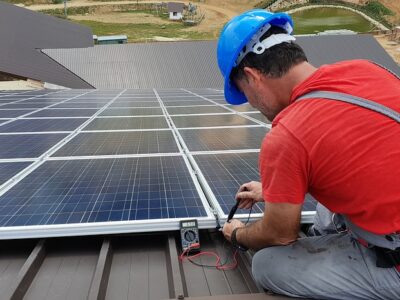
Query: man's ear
{"type": "Point", "coordinates": [252, 75]}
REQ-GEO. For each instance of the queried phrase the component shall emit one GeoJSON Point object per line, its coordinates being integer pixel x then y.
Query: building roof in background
{"type": "Point", "coordinates": [23, 32]}
{"type": "Point", "coordinates": [175, 6]}
{"type": "Point", "coordinates": [149, 65]}
{"type": "Point", "coordinates": [193, 64]}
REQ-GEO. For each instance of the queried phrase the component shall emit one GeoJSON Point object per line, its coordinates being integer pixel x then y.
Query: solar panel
{"type": "Point", "coordinates": [223, 138]}
{"type": "Point", "coordinates": [210, 120]}
{"type": "Point", "coordinates": [24, 105]}
{"type": "Point", "coordinates": [117, 143]}
{"type": "Point", "coordinates": [14, 113]}
{"type": "Point", "coordinates": [187, 103]}
{"type": "Point", "coordinates": [225, 173]}
{"type": "Point", "coordinates": [136, 104]}
{"type": "Point", "coordinates": [64, 113]}
{"type": "Point", "coordinates": [79, 105]}
{"type": "Point", "coordinates": [260, 117]}
{"type": "Point", "coordinates": [214, 109]}
{"type": "Point", "coordinates": [127, 123]}
{"type": "Point", "coordinates": [8, 170]}
{"type": "Point", "coordinates": [139, 111]}
{"type": "Point", "coordinates": [27, 145]}
{"type": "Point", "coordinates": [102, 190]}
{"type": "Point", "coordinates": [242, 108]}
{"type": "Point", "coordinates": [41, 125]}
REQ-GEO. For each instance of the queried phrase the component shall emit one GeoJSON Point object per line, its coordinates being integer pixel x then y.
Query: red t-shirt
{"type": "Point", "coordinates": [346, 156]}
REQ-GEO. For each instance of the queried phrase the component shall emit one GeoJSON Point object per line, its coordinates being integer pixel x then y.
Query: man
{"type": "Point", "coordinates": [345, 155]}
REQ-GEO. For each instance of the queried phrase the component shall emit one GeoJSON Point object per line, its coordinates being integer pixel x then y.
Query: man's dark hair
{"type": "Point", "coordinates": [275, 61]}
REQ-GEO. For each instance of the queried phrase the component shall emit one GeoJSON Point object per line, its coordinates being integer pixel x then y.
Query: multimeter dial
{"type": "Point", "coordinates": [189, 235]}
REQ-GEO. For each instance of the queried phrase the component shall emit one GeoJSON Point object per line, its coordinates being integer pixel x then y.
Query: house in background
{"type": "Point", "coordinates": [175, 10]}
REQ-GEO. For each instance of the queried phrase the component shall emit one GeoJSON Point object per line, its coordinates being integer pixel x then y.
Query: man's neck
{"type": "Point", "coordinates": [283, 87]}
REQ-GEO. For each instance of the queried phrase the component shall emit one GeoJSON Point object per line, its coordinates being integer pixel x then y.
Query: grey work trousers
{"type": "Point", "coordinates": [331, 266]}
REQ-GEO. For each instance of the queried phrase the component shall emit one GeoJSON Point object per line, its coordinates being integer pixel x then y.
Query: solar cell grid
{"type": "Point", "coordinates": [42, 125]}
{"type": "Point", "coordinates": [127, 123]}
{"type": "Point", "coordinates": [187, 103]}
{"type": "Point", "coordinates": [79, 105]}
{"type": "Point", "coordinates": [260, 117]}
{"type": "Point", "coordinates": [85, 191]}
{"type": "Point", "coordinates": [24, 105]}
{"type": "Point", "coordinates": [135, 104]}
{"type": "Point", "coordinates": [210, 121]}
{"type": "Point", "coordinates": [117, 143]}
{"type": "Point", "coordinates": [8, 170]}
{"type": "Point", "coordinates": [64, 113]}
{"type": "Point", "coordinates": [225, 173]}
{"type": "Point", "coordinates": [27, 146]}
{"type": "Point", "coordinates": [132, 111]}
{"type": "Point", "coordinates": [172, 110]}
{"type": "Point", "coordinates": [223, 139]}
{"type": "Point", "coordinates": [14, 113]}
{"type": "Point", "coordinates": [242, 107]}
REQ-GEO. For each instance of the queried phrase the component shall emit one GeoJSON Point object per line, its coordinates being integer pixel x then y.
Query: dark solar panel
{"type": "Point", "coordinates": [224, 138]}
{"type": "Point", "coordinates": [260, 117]}
{"type": "Point", "coordinates": [39, 125]}
{"type": "Point", "coordinates": [113, 143]}
{"type": "Point", "coordinates": [23, 105]}
{"type": "Point", "coordinates": [13, 113]}
{"type": "Point", "coordinates": [243, 107]}
{"type": "Point", "coordinates": [102, 190]}
{"type": "Point", "coordinates": [135, 104]}
{"type": "Point", "coordinates": [132, 111]}
{"type": "Point", "coordinates": [127, 123]}
{"type": "Point", "coordinates": [225, 173]}
{"type": "Point", "coordinates": [196, 110]}
{"type": "Point", "coordinates": [210, 120]}
{"type": "Point", "coordinates": [27, 145]}
{"type": "Point", "coordinates": [8, 170]}
{"type": "Point", "coordinates": [79, 105]}
{"type": "Point", "coordinates": [64, 113]}
{"type": "Point", "coordinates": [187, 103]}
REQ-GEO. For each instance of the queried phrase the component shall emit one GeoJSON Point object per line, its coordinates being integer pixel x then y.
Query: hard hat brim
{"type": "Point", "coordinates": [232, 94]}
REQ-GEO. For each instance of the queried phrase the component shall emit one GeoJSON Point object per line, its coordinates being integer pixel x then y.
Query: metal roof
{"type": "Point", "coordinates": [175, 6]}
{"type": "Point", "coordinates": [193, 64]}
{"type": "Point", "coordinates": [137, 267]}
{"type": "Point", "coordinates": [149, 65]}
{"type": "Point", "coordinates": [23, 32]}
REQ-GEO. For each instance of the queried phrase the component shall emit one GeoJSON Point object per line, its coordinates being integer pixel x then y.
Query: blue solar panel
{"type": "Point", "coordinates": [79, 105]}
{"type": "Point", "coordinates": [27, 145]}
{"type": "Point", "coordinates": [135, 104]}
{"type": "Point", "coordinates": [24, 105]}
{"type": "Point", "coordinates": [64, 113]}
{"type": "Point", "coordinates": [196, 110]}
{"type": "Point", "coordinates": [210, 121]}
{"type": "Point", "coordinates": [223, 138]}
{"type": "Point", "coordinates": [113, 143]}
{"type": "Point", "coordinates": [8, 170]}
{"type": "Point", "coordinates": [13, 113]}
{"type": "Point", "coordinates": [127, 123]}
{"type": "Point", "coordinates": [102, 190]}
{"type": "Point", "coordinates": [225, 173]}
{"type": "Point", "coordinates": [137, 111]}
{"type": "Point", "coordinates": [39, 125]}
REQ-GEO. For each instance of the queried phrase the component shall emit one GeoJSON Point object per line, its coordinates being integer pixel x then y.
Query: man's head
{"type": "Point", "coordinates": [265, 54]}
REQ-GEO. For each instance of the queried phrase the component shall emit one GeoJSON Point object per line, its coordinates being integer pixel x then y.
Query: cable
{"type": "Point", "coordinates": [218, 265]}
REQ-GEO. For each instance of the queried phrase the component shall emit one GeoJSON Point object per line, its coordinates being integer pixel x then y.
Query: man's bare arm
{"type": "Point", "coordinates": [279, 226]}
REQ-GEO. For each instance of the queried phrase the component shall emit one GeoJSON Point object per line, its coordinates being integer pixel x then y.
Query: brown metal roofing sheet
{"type": "Point", "coordinates": [193, 64]}
{"type": "Point", "coordinates": [23, 32]}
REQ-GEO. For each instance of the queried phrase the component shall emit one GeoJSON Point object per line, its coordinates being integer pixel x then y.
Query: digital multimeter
{"type": "Point", "coordinates": [190, 235]}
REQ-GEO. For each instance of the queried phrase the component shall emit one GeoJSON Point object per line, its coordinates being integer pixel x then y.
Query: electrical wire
{"type": "Point", "coordinates": [218, 265]}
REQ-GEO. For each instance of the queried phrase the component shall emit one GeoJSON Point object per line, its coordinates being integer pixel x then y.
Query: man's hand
{"type": "Point", "coordinates": [249, 193]}
{"type": "Point", "coordinates": [229, 227]}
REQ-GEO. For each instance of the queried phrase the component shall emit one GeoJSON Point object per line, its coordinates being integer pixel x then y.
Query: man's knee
{"type": "Point", "coordinates": [265, 266]}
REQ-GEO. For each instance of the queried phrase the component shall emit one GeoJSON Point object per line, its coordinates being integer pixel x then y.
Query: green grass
{"type": "Point", "coordinates": [144, 32]}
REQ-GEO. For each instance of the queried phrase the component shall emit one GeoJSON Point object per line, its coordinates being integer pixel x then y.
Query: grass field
{"type": "Point", "coordinates": [144, 32]}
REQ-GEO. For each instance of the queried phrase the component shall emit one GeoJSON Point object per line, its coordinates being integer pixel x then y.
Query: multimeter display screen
{"type": "Point", "coordinates": [188, 224]}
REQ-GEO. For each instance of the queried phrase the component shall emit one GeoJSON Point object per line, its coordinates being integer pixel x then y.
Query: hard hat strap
{"type": "Point", "coordinates": [258, 47]}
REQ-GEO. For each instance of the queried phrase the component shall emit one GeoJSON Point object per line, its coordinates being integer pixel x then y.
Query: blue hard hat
{"type": "Point", "coordinates": [234, 36]}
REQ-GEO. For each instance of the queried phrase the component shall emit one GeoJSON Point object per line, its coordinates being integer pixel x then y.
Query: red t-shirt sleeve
{"type": "Point", "coordinates": [284, 166]}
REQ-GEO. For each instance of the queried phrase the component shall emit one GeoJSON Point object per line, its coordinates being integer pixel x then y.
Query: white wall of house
{"type": "Point", "coordinates": [175, 15]}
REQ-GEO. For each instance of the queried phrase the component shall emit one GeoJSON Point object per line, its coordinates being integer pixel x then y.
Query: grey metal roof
{"type": "Point", "coordinates": [175, 6]}
{"type": "Point", "coordinates": [149, 65]}
{"type": "Point", "coordinates": [137, 267]}
{"type": "Point", "coordinates": [23, 32]}
{"type": "Point", "coordinates": [193, 64]}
